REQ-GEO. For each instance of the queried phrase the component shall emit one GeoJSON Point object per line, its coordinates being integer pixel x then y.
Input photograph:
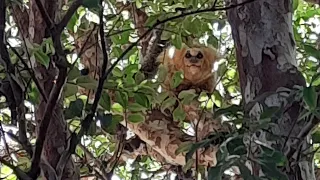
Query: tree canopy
{"type": "Point", "coordinates": [96, 62]}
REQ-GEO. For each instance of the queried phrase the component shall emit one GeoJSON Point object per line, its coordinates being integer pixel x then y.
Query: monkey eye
{"type": "Point", "coordinates": [199, 55]}
{"type": "Point", "coordinates": [188, 55]}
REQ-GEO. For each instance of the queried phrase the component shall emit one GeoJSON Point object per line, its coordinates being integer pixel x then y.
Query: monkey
{"type": "Point", "coordinates": [195, 62]}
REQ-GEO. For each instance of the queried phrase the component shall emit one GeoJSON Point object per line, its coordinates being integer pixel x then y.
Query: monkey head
{"type": "Point", "coordinates": [195, 62]}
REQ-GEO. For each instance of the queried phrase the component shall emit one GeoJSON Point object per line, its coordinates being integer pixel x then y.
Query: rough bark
{"type": "Point", "coordinates": [57, 134]}
{"type": "Point", "coordinates": [265, 52]}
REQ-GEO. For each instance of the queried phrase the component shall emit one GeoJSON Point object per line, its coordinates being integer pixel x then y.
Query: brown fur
{"type": "Point", "coordinates": [197, 75]}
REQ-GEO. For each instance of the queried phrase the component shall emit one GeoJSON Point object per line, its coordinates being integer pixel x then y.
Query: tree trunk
{"type": "Point", "coordinates": [265, 52]}
{"type": "Point", "coordinates": [57, 134]}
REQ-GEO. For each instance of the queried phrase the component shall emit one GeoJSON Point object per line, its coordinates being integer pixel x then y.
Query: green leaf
{"type": "Point", "coordinates": [129, 81]}
{"type": "Point", "coordinates": [310, 97]}
{"type": "Point", "coordinates": [245, 172]}
{"type": "Point", "coordinates": [135, 107]}
{"type": "Point", "coordinates": [146, 90]}
{"type": "Point", "coordinates": [177, 41]}
{"type": "Point", "coordinates": [131, 69]}
{"type": "Point", "coordinates": [94, 4]}
{"type": "Point", "coordinates": [188, 3]}
{"type": "Point", "coordinates": [70, 90]}
{"type": "Point", "coordinates": [196, 146]}
{"type": "Point", "coordinates": [109, 122]}
{"type": "Point", "coordinates": [116, 107]}
{"type": "Point", "coordinates": [177, 79]}
{"type": "Point", "coordinates": [187, 96]}
{"type": "Point", "coordinates": [87, 82]}
{"type": "Point", "coordinates": [139, 77]}
{"type": "Point", "coordinates": [168, 103]}
{"type": "Point", "coordinates": [72, 22]}
{"type": "Point", "coordinates": [152, 20]}
{"type": "Point", "coordinates": [73, 74]}
{"type": "Point", "coordinates": [75, 109]}
{"type": "Point", "coordinates": [231, 110]}
{"type": "Point", "coordinates": [183, 147]}
{"type": "Point", "coordinates": [179, 114]}
{"type": "Point", "coordinates": [141, 99]}
{"type": "Point", "coordinates": [316, 137]}
{"type": "Point", "coordinates": [161, 97]}
{"type": "Point", "coordinates": [295, 4]}
{"type": "Point", "coordinates": [315, 80]}
{"type": "Point", "coordinates": [136, 117]}
{"type": "Point", "coordinates": [162, 73]}
{"type": "Point", "coordinates": [269, 112]}
{"type": "Point", "coordinates": [188, 165]}
{"type": "Point", "coordinates": [42, 58]}
{"type": "Point", "coordinates": [122, 99]}
{"type": "Point", "coordinates": [195, 3]}
{"type": "Point", "coordinates": [213, 41]}
{"type": "Point", "coordinates": [92, 129]}
{"type": "Point", "coordinates": [312, 51]}
{"type": "Point", "coordinates": [116, 51]}
{"type": "Point", "coordinates": [215, 172]}
{"type": "Point", "coordinates": [105, 101]}
{"type": "Point", "coordinates": [117, 72]}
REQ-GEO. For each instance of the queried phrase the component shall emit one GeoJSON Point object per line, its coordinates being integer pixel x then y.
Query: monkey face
{"type": "Point", "coordinates": [193, 59]}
